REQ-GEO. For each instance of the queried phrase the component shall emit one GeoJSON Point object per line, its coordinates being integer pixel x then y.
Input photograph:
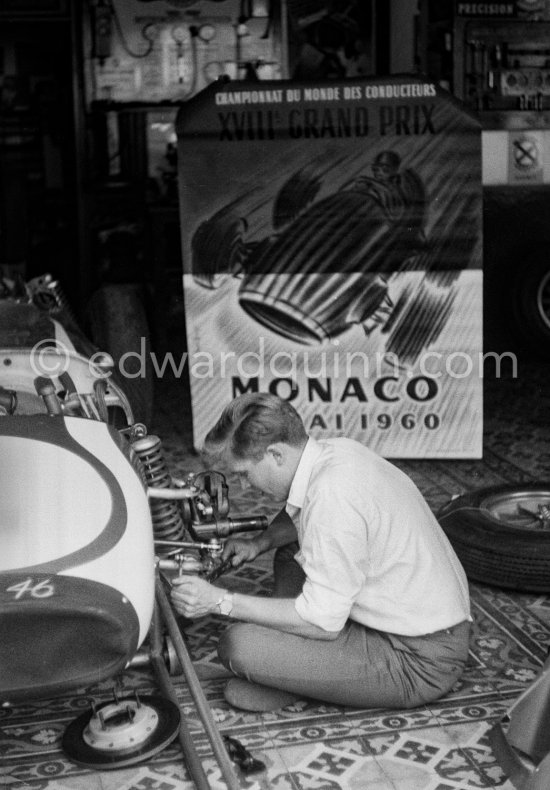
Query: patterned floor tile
{"type": "Point", "coordinates": [471, 739]}
{"type": "Point", "coordinates": [342, 765]}
{"type": "Point", "coordinates": [90, 782]}
{"type": "Point", "coordinates": [273, 773]}
{"type": "Point", "coordinates": [146, 778]}
{"type": "Point", "coordinates": [460, 757]}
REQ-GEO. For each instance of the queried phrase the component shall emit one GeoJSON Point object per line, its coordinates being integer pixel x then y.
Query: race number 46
{"type": "Point", "coordinates": [32, 589]}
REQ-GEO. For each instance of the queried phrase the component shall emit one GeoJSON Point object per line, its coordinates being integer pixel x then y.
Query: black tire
{"type": "Point", "coordinates": [427, 308]}
{"type": "Point", "coordinates": [117, 324]}
{"type": "Point", "coordinates": [295, 195]}
{"type": "Point", "coordinates": [218, 248]}
{"type": "Point", "coordinates": [501, 535]}
{"type": "Point", "coordinates": [531, 305]}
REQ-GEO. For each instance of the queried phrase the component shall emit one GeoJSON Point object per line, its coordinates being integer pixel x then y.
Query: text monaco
{"type": "Point", "coordinates": [387, 389]}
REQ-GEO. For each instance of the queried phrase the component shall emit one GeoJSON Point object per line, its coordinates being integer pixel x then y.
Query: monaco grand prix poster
{"type": "Point", "coordinates": [331, 239]}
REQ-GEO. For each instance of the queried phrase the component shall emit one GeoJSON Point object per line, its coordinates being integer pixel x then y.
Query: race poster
{"type": "Point", "coordinates": [332, 249]}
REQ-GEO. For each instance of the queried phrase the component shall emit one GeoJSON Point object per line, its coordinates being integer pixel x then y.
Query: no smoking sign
{"type": "Point", "coordinates": [525, 157]}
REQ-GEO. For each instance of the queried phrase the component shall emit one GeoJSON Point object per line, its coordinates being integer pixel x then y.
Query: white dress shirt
{"type": "Point", "coordinates": [370, 546]}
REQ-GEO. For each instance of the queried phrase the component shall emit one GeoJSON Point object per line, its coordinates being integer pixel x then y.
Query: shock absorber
{"type": "Point", "coordinates": [165, 513]}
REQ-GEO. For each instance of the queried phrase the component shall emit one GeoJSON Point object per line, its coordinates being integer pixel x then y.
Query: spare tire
{"type": "Point", "coordinates": [501, 535]}
{"type": "Point", "coordinates": [531, 303]}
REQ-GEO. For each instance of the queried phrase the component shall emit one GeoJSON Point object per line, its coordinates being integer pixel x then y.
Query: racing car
{"type": "Point", "coordinates": [92, 524]}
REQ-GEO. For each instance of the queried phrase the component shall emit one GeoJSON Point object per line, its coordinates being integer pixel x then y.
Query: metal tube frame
{"type": "Point", "coordinates": [164, 614]}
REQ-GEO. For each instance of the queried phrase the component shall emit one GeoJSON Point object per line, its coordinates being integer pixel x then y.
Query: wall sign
{"type": "Point", "coordinates": [331, 238]}
{"type": "Point", "coordinates": [525, 159]}
{"type": "Point", "coordinates": [530, 10]}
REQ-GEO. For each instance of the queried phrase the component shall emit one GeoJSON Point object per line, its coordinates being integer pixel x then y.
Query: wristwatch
{"type": "Point", "coordinates": [225, 604]}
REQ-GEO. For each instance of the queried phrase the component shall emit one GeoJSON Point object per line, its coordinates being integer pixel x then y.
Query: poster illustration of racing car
{"type": "Point", "coordinates": [338, 228]}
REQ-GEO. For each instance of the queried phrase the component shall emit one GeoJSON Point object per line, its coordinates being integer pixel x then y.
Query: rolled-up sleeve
{"type": "Point", "coordinates": [334, 557]}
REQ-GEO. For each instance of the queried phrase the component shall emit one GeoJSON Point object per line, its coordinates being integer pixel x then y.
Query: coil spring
{"type": "Point", "coordinates": [544, 512]}
{"type": "Point", "coordinates": [165, 514]}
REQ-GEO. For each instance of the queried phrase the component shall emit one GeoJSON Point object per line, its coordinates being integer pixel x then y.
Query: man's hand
{"type": "Point", "coordinates": [194, 597]}
{"type": "Point", "coordinates": [280, 532]}
{"type": "Point", "coordinates": [241, 550]}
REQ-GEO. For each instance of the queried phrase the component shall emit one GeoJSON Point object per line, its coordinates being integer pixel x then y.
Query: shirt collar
{"type": "Point", "coordinates": [300, 481]}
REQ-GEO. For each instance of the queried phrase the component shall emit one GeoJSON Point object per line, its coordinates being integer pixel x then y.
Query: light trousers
{"type": "Point", "coordinates": [362, 667]}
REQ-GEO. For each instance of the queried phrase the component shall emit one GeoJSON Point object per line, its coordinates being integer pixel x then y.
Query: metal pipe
{"type": "Point", "coordinates": [228, 526]}
{"type": "Point", "coordinates": [182, 544]}
{"type": "Point", "coordinates": [171, 493]}
{"type": "Point", "coordinates": [197, 693]}
{"type": "Point", "coordinates": [192, 759]}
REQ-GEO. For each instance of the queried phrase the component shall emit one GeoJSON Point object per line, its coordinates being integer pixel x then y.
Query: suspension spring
{"type": "Point", "coordinates": [165, 513]}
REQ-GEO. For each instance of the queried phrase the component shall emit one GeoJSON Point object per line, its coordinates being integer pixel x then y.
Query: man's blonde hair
{"type": "Point", "coordinates": [249, 424]}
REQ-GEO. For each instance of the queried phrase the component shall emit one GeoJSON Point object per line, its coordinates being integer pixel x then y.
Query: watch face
{"type": "Point", "coordinates": [226, 605]}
